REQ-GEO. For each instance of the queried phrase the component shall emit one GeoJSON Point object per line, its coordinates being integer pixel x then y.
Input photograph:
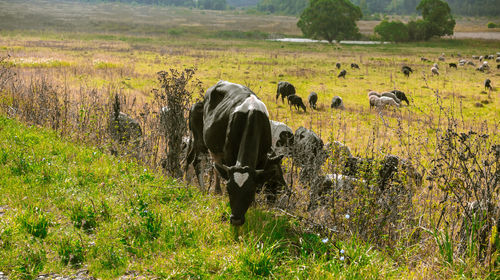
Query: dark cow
{"type": "Point", "coordinates": [284, 89]}
{"type": "Point", "coordinates": [487, 84]}
{"type": "Point", "coordinates": [295, 100]}
{"type": "Point", "coordinates": [197, 145]}
{"type": "Point", "coordinates": [453, 65]}
{"type": "Point", "coordinates": [237, 133]}
{"type": "Point", "coordinates": [401, 96]}
{"type": "Point", "coordinates": [354, 66]}
{"type": "Point", "coordinates": [313, 98]}
{"type": "Point", "coordinates": [337, 65]}
{"type": "Point", "coordinates": [342, 74]}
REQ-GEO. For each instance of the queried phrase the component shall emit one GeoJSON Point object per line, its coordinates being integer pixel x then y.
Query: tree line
{"type": "Point", "coordinates": [201, 4]}
{"type": "Point", "coordinates": [404, 7]}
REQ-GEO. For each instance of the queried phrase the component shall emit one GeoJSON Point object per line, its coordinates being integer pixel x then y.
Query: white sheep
{"type": "Point", "coordinates": [391, 95]}
{"type": "Point", "coordinates": [434, 71]}
{"type": "Point", "coordinates": [381, 102]}
{"type": "Point", "coordinates": [374, 93]}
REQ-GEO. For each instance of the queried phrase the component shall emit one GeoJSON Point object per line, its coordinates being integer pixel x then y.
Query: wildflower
{"type": "Point", "coordinates": [324, 240]}
{"type": "Point", "coordinates": [342, 258]}
{"type": "Point", "coordinates": [347, 216]}
{"type": "Point", "coordinates": [342, 251]}
{"type": "Point", "coordinates": [145, 170]}
{"type": "Point", "coordinates": [95, 153]}
{"type": "Point", "coordinates": [43, 159]}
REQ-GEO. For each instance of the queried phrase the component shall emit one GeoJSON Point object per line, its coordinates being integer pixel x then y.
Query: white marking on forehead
{"type": "Point", "coordinates": [240, 178]}
{"type": "Point", "coordinates": [252, 103]}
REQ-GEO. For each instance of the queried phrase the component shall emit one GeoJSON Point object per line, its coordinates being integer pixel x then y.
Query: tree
{"type": "Point", "coordinates": [437, 18]}
{"type": "Point", "coordinates": [330, 20]}
{"type": "Point", "coordinates": [394, 31]}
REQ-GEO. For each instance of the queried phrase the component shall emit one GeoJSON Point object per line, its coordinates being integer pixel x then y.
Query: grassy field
{"type": "Point", "coordinates": [117, 215]}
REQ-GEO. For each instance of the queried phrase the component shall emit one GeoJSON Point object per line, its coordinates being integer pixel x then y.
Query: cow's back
{"type": "Point", "coordinates": [220, 102]}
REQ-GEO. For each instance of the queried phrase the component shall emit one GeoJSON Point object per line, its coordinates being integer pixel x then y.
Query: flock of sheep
{"type": "Point", "coordinates": [381, 100]}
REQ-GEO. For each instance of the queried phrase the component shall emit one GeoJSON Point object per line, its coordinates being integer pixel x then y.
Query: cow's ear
{"type": "Point", "coordinates": [223, 170]}
{"type": "Point", "coordinates": [276, 159]}
{"type": "Point", "coordinates": [261, 176]}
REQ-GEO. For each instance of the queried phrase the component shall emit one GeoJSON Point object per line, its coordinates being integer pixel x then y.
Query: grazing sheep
{"type": "Point", "coordinates": [407, 68]}
{"type": "Point", "coordinates": [401, 96]}
{"type": "Point", "coordinates": [295, 100]}
{"type": "Point", "coordinates": [337, 65]}
{"type": "Point", "coordinates": [471, 63]}
{"type": "Point", "coordinates": [434, 71]}
{"type": "Point", "coordinates": [462, 62]}
{"type": "Point", "coordinates": [497, 60]}
{"type": "Point", "coordinates": [441, 58]}
{"type": "Point", "coordinates": [373, 93]}
{"type": "Point", "coordinates": [381, 102]}
{"type": "Point", "coordinates": [284, 89]}
{"type": "Point", "coordinates": [122, 127]}
{"type": "Point", "coordinates": [354, 66]}
{"type": "Point", "coordinates": [391, 95]}
{"type": "Point", "coordinates": [424, 59]}
{"type": "Point", "coordinates": [337, 103]}
{"type": "Point", "coordinates": [313, 98]}
{"type": "Point", "coordinates": [436, 65]}
{"type": "Point", "coordinates": [282, 137]}
{"type": "Point", "coordinates": [453, 65]}
{"type": "Point", "coordinates": [490, 56]}
{"type": "Point", "coordinates": [342, 74]}
{"type": "Point", "coordinates": [406, 72]}
{"type": "Point", "coordinates": [483, 67]}
{"type": "Point", "coordinates": [337, 150]}
{"type": "Point", "coordinates": [487, 84]}
{"type": "Point", "coordinates": [481, 58]}
{"type": "Point", "coordinates": [498, 66]}
{"type": "Point", "coordinates": [476, 57]}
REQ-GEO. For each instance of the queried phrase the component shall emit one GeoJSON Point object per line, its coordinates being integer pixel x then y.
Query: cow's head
{"type": "Point", "coordinates": [242, 184]}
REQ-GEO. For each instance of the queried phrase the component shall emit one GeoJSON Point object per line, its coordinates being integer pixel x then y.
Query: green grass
{"type": "Point", "coordinates": [69, 206]}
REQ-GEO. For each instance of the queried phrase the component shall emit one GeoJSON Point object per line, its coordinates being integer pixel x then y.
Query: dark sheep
{"type": "Point", "coordinates": [498, 66]}
{"type": "Point", "coordinates": [313, 98]}
{"type": "Point", "coordinates": [401, 96]}
{"type": "Point", "coordinates": [453, 65]}
{"type": "Point", "coordinates": [296, 101]}
{"type": "Point", "coordinates": [487, 84]}
{"type": "Point", "coordinates": [342, 74]}
{"type": "Point", "coordinates": [337, 65]}
{"type": "Point", "coordinates": [354, 66]}
{"type": "Point", "coordinates": [337, 103]}
{"type": "Point", "coordinates": [122, 127]}
{"type": "Point", "coordinates": [284, 89]}
{"type": "Point", "coordinates": [406, 72]}
{"type": "Point", "coordinates": [407, 68]}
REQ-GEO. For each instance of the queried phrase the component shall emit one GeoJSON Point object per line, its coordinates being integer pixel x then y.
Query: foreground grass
{"type": "Point", "coordinates": [66, 206]}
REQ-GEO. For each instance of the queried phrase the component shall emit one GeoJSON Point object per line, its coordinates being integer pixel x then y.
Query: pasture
{"type": "Point", "coordinates": [62, 66]}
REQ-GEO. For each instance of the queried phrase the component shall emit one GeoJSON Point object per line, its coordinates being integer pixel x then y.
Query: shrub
{"type": "Point", "coordinates": [71, 251]}
{"type": "Point", "coordinates": [394, 31]}
{"type": "Point", "coordinates": [35, 222]}
{"type": "Point", "coordinates": [30, 261]}
{"type": "Point", "coordinates": [492, 25]}
{"type": "Point", "coordinates": [84, 217]}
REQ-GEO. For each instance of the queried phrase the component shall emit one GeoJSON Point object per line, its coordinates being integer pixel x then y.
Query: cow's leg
{"type": "Point", "coordinates": [198, 170]}
{"type": "Point", "coordinates": [218, 159]}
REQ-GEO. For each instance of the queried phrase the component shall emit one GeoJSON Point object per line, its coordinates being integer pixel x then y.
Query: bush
{"type": "Point", "coordinates": [71, 251]}
{"type": "Point", "coordinates": [394, 31]}
{"type": "Point", "coordinates": [35, 222]}
{"type": "Point", "coordinates": [492, 25]}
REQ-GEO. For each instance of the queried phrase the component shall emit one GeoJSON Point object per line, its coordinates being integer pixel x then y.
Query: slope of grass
{"type": "Point", "coordinates": [65, 206]}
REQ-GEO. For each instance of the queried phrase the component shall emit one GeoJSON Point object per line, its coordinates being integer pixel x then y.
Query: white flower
{"type": "Point", "coordinates": [145, 170]}
{"type": "Point", "coordinates": [95, 153]}
{"type": "Point", "coordinates": [324, 240]}
{"type": "Point", "coordinates": [118, 161]}
{"type": "Point", "coordinates": [342, 258]}
{"type": "Point", "coordinates": [347, 216]}
{"type": "Point", "coordinates": [43, 159]}
{"type": "Point", "coordinates": [49, 163]}
{"type": "Point", "coordinates": [342, 251]}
